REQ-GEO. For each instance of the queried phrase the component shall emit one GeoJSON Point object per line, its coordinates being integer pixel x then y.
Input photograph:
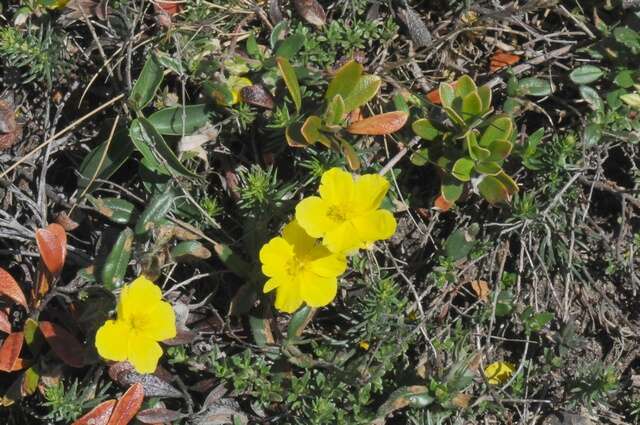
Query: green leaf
{"type": "Point", "coordinates": [291, 81]}
{"type": "Point", "coordinates": [451, 189]}
{"type": "Point", "coordinates": [311, 131]}
{"type": "Point", "coordinates": [299, 321]}
{"type": "Point", "coordinates": [493, 190]}
{"type": "Point", "coordinates": [508, 182]}
{"type": "Point", "coordinates": [462, 169]}
{"type": "Point", "coordinates": [631, 99]}
{"type": "Point", "coordinates": [148, 82]}
{"type": "Point", "coordinates": [115, 209]}
{"type": "Point", "coordinates": [364, 90]}
{"type": "Point", "coordinates": [628, 37]}
{"type": "Point", "coordinates": [148, 141]}
{"type": "Point", "coordinates": [169, 121]}
{"type": "Point", "coordinates": [290, 46]}
{"type": "Point", "coordinates": [499, 128]}
{"type": "Point", "coordinates": [586, 74]}
{"type": "Point", "coordinates": [459, 244]}
{"type": "Point", "coordinates": [534, 87]}
{"type": "Point", "coordinates": [350, 154]}
{"type": "Point", "coordinates": [32, 336]}
{"type": "Point", "coordinates": [624, 79]}
{"type": "Point", "coordinates": [465, 86]}
{"type": "Point", "coordinates": [251, 46]}
{"type": "Point", "coordinates": [335, 111]}
{"type": "Point", "coordinates": [279, 29]}
{"type": "Point", "coordinates": [447, 94]}
{"type": "Point", "coordinates": [425, 129]}
{"type": "Point", "coordinates": [500, 149]}
{"type": "Point", "coordinates": [233, 261]}
{"type": "Point", "coordinates": [189, 251]}
{"type": "Point", "coordinates": [592, 98]}
{"type": "Point", "coordinates": [592, 134]}
{"type": "Point", "coordinates": [261, 330]}
{"type": "Point", "coordinates": [485, 96]}
{"type": "Point", "coordinates": [119, 151]}
{"type": "Point", "coordinates": [420, 157]}
{"type": "Point", "coordinates": [344, 81]}
{"type": "Point", "coordinates": [488, 167]}
{"type": "Point", "coordinates": [157, 209]}
{"type": "Point", "coordinates": [115, 265]}
{"type": "Point", "coordinates": [454, 116]}
{"type": "Point", "coordinates": [475, 151]}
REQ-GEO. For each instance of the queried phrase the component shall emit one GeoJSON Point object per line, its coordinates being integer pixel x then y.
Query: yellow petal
{"type": "Point", "coordinates": [288, 297]}
{"type": "Point", "coordinates": [271, 285]}
{"type": "Point", "coordinates": [337, 187]}
{"type": "Point", "coordinates": [498, 372]}
{"type": "Point", "coordinates": [312, 215]}
{"type": "Point", "coordinates": [160, 323]}
{"type": "Point", "coordinates": [143, 353]}
{"type": "Point", "coordinates": [369, 191]}
{"type": "Point", "coordinates": [328, 265]}
{"type": "Point", "coordinates": [318, 291]}
{"type": "Point", "coordinates": [342, 238]}
{"type": "Point", "coordinates": [296, 236]}
{"type": "Point", "coordinates": [112, 340]}
{"type": "Point", "coordinates": [274, 257]}
{"type": "Point", "coordinates": [137, 296]}
{"type": "Point", "coordinates": [375, 226]}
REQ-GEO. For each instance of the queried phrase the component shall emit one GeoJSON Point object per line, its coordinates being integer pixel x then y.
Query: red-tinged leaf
{"type": "Point", "coordinates": [379, 125]}
{"type": "Point", "coordinates": [10, 288]}
{"type": "Point", "coordinates": [99, 415]}
{"type": "Point", "coordinates": [128, 405]}
{"type": "Point", "coordinates": [257, 95]}
{"type": "Point", "coordinates": [10, 350]}
{"type": "Point", "coordinates": [171, 7]}
{"type": "Point", "coordinates": [442, 204]}
{"type": "Point", "coordinates": [502, 59]}
{"type": "Point", "coordinates": [52, 244]}
{"type": "Point", "coordinates": [5, 325]}
{"type": "Point", "coordinates": [10, 131]}
{"type": "Point", "coordinates": [158, 415]}
{"type": "Point", "coordinates": [124, 374]}
{"type": "Point", "coordinates": [311, 11]}
{"type": "Point", "coordinates": [65, 345]}
{"type": "Point", "coordinates": [434, 95]}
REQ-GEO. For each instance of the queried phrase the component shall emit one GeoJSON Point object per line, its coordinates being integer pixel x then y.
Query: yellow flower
{"type": "Point", "coordinates": [499, 372]}
{"type": "Point", "coordinates": [143, 320]}
{"type": "Point", "coordinates": [347, 214]}
{"type": "Point", "coordinates": [300, 269]}
{"type": "Point", "coordinates": [235, 85]}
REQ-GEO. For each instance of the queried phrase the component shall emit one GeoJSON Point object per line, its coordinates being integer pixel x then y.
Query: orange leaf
{"type": "Point", "coordinates": [52, 244]}
{"type": "Point", "coordinates": [10, 351]}
{"type": "Point", "coordinates": [65, 345]}
{"type": "Point", "coordinates": [10, 288]}
{"type": "Point", "coordinates": [355, 115]}
{"type": "Point", "coordinates": [128, 405]}
{"type": "Point", "coordinates": [442, 204]}
{"type": "Point", "coordinates": [502, 59]}
{"type": "Point", "coordinates": [379, 125]}
{"type": "Point", "coordinates": [481, 288]}
{"type": "Point", "coordinates": [5, 325]}
{"type": "Point", "coordinates": [171, 7]}
{"type": "Point", "coordinates": [99, 415]}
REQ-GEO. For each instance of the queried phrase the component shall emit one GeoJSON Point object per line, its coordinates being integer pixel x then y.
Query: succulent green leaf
{"type": "Point", "coordinates": [500, 149]}
{"type": "Point", "coordinates": [493, 190]}
{"type": "Point", "coordinates": [290, 46]}
{"type": "Point", "coordinates": [335, 111]}
{"type": "Point", "coordinates": [115, 209]}
{"type": "Point", "coordinates": [189, 251]}
{"type": "Point", "coordinates": [345, 80]}
{"type": "Point", "coordinates": [476, 152]}
{"type": "Point", "coordinates": [156, 210]}
{"type": "Point", "coordinates": [420, 157]}
{"type": "Point", "coordinates": [465, 86]}
{"type": "Point", "coordinates": [592, 97]}
{"type": "Point", "coordinates": [425, 129]}
{"type": "Point", "coordinates": [534, 87]}
{"type": "Point", "coordinates": [454, 116]}
{"type": "Point", "coordinates": [298, 321]}
{"type": "Point", "coordinates": [364, 90]}
{"type": "Point", "coordinates": [447, 94]}
{"type": "Point", "coordinates": [471, 106]}
{"type": "Point", "coordinates": [120, 149]}
{"type": "Point", "coordinates": [311, 131]}
{"type": "Point", "coordinates": [488, 167]}
{"type": "Point", "coordinates": [485, 97]}
{"type": "Point", "coordinates": [499, 128]}
{"type": "Point", "coordinates": [462, 169]}
{"type": "Point", "coordinates": [451, 189]}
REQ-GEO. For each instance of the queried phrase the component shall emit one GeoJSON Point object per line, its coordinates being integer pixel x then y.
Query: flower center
{"type": "Point", "coordinates": [138, 322]}
{"type": "Point", "coordinates": [337, 214]}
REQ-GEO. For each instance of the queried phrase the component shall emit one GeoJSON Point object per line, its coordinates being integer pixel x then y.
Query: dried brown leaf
{"type": "Point", "coordinates": [65, 345]}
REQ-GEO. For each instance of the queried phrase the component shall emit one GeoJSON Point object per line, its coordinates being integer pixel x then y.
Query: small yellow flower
{"type": "Point", "coordinates": [143, 320]}
{"type": "Point", "coordinates": [499, 372]}
{"type": "Point", "coordinates": [347, 214]}
{"type": "Point", "coordinates": [300, 269]}
{"type": "Point", "coordinates": [364, 345]}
